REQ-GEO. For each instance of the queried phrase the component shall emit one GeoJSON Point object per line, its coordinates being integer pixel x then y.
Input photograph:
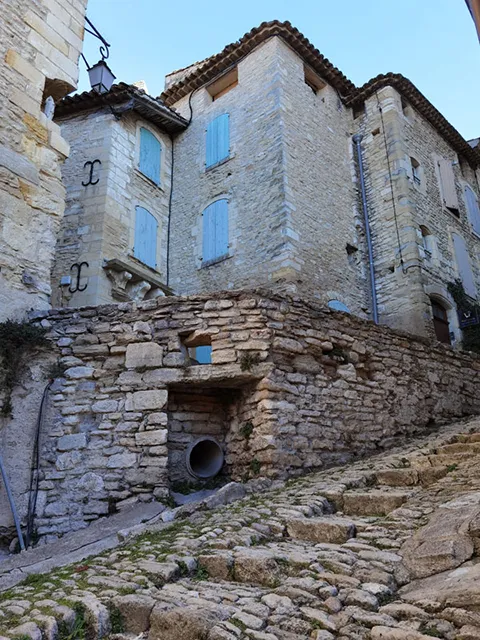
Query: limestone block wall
{"type": "Point", "coordinates": [321, 216]}
{"type": "Point", "coordinates": [39, 48]}
{"type": "Point", "coordinates": [406, 276]}
{"type": "Point", "coordinates": [99, 222]}
{"type": "Point", "coordinates": [252, 180]}
{"type": "Point", "coordinates": [292, 387]}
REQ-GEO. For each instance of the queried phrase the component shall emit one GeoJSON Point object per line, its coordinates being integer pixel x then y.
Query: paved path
{"type": "Point", "coordinates": [321, 557]}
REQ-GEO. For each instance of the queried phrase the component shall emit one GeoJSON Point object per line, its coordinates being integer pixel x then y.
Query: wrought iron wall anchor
{"type": "Point", "coordinates": [92, 166]}
{"type": "Point", "coordinates": [77, 286]}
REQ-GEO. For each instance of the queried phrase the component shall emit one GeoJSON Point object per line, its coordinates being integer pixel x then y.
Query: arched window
{"type": "Point", "coordinates": [440, 322]}
{"type": "Point", "coordinates": [150, 155]}
{"type": "Point", "coordinates": [336, 305]}
{"type": "Point", "coordinates": [215, 231]}
{"type": "Point", "coordinates": [145, 247]}
{"type": "Point", "coordinates": [218, 140]}
{"type": "Point", "coordinates": [472, 208]}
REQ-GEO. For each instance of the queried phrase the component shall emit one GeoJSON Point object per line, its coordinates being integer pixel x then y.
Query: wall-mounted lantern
{"type": "Point", "coordinates": [100, 74]}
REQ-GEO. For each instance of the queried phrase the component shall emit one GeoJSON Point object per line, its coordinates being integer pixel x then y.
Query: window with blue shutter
{"type": "Point", "coordinates": [218, 140]}
{"type": "Point", "coordinates": [145, 247]}
{"type": "Point", "coordinates": [150, 155]}
{"type": "Point", "coordinates": [473, 208]}
{"type": "Point", "coordinates": [215, 231]}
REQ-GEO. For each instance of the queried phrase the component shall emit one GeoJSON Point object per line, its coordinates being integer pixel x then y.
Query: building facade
{"type": "Point", "coordinates": [267, 188]}
{"type": "Point", "coordinates": [113, 241]}
{"type": "Point", "coordinates": [39, 48]}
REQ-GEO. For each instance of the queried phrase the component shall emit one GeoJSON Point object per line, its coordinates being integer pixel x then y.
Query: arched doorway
{"type": "Point", "coordinates": [440, 322]}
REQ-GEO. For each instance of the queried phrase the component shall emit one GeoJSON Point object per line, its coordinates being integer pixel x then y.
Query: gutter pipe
{"type": "Point", "coordinates": [357, 139]}
{"type": "Point", "coordinates": [12, 504]}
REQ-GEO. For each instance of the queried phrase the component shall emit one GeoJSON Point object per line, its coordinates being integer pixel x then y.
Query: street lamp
{"type": "Point", "coordinates": [100, 74]}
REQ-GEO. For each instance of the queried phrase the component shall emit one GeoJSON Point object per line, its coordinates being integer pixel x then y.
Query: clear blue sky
{"type": "Point", "coordinates": [431, 42]}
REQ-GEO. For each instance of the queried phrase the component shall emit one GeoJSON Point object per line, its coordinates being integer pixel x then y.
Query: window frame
{"type": "Point", "coordinates": [142, 206]}
{"type": "Point", "coordinates": [226, 254]}
{"type": "Point", "coordinates": [225, 158]}
{"type": "Point", "coordinates": [147, 127]}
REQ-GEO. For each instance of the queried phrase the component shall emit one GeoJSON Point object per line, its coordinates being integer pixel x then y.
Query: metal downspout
{"type": "Point", "coordinates": [357, 139]}
{"type": "Point", "coordinates": [12, 504]}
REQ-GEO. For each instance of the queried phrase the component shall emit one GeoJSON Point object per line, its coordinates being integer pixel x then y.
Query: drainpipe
{"type": "Point", "coordinates": [357, 139]}
{"type": "Point", "coordinates": [12, 504]}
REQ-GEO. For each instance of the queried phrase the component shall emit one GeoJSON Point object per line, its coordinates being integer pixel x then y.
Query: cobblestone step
{"type": "Point", "coordinates": [286, 563]}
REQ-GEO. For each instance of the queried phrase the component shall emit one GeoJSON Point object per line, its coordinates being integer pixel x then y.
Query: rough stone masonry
{"type": "Point", "coordinates": [292, 387]}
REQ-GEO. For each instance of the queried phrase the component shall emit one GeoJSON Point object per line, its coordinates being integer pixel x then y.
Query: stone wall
{"type": "Point", "coordinates": [99, 222]}
{"type": "Point", "coordinates": [39, 48]}
{"type": "Point", "coordinates": [324, 230]}
{"type": "Point", "coordinates": [406, 276]}
{"type": "Point", "coordinates": [292, 387]}
{"type": "Point", "coordinates": [252, 180]}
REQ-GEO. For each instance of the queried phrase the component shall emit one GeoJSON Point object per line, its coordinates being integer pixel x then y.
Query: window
{"type": "Point", "coordinates": [440, 322]}
{"type": "Point", "coordinates": [447, 185]}
{"type": "Point", "coordinates": [218, 140]}
{"type": "Point", "coordinates": [415, 171]}
{"type": "Point", "coordinates": [312, 79]}
{"type": "Point", "coordinates": [463, 264]}
{"type": "Point", "coordinates": [473, 209]}
{"type": "Point", "coordinates": [215, 231]}
{"type": "Point", "coordinates": [145, 247]}
{"type": "Point", "coordinates": [406, 108]}
{"type": "Point", "coordinates": [201, 354]}
{"type": "Point", "coordinates": [336, 305]}
{"type": "Point", "coordinates": [223, 84]}
{"type": "Point", "coordinates": [427, 242]}
{"type": "Point", "coordinates": [150, 155]}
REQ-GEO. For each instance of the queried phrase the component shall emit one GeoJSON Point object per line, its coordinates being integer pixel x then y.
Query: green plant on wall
{"type": "Point", "coordinates": [471, 334]}
{"type": "Point", "coordinates": [16, 340]}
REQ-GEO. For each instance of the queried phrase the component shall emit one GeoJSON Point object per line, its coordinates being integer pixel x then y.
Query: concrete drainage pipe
{"type": "Point", "coordinates": [204, 458]}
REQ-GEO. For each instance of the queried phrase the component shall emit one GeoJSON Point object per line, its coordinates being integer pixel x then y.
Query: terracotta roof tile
{"type": "Point", "coordinates": [349, 93]}
{"type": "Point", "coordinates": [129, 98]}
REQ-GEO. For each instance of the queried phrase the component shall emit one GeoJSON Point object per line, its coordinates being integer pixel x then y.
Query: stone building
{"type": "Point", "coordinates": [39, 48]}
{"type": "Point", "coordinates": [266, 187]}
{"type": "Point", "coordinates": [113, 242]}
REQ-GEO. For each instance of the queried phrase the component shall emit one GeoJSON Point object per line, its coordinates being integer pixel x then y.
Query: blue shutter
{"type": "Point", "coordinates": [145, 248]}
{"type": "Point", "coordinates": [208, 234]}
{"type": "Point", "coordinates": [464, 268]}
{"type": "Point", "coordinates": [473, 209]}
{"type": "Point", "coordinates": [218, 140]}
{"type": "Point", "coordinates": [221, 227]}
{"type": "Point", "coordinates": [150, 155]}
{"type": "Point", "coordinates": [203, 354]}
{"type": "Point", "coordinates": [215, 230]}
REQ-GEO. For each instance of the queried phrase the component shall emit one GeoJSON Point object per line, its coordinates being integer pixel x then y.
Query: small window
{"type": "Point", "coordinates": [224, 84]}
{"type": "Point", "coordinates": [406, 108]}
{"type": "Point", "coordinates": [359, 111]}
{"type": "Point", "coordinates": [150, 155]}
{"type": "Point", "coordinates": [215, 232]}
{"type": "Point", "coordinates": [145, 247]}
{"type": "Point", "coordinates": [415, 171]}
{"type": "Point", "coordinates": [312, 79]}
{"type": "Point", "coordinates": [427, 242]}
{"type": "Point", "coordinates": [473, 208]}
{"type": "Point", "coordinates": [218, 140]}
{"type": "Point", "coordinates": [336, 305]}
{"type": "Point", "coordinates": [201, 354]}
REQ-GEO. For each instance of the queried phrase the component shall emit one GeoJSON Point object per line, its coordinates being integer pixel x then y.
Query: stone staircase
{"type": "Point", "coordinates": [384, 548]}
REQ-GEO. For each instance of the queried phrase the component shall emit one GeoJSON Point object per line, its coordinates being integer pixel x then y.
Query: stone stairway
{"type": "Point", "coordinates": [384, 548]}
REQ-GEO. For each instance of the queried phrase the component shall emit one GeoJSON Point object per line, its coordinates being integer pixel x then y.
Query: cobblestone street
{"type": "Point", "coordinates": [323, 556]}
